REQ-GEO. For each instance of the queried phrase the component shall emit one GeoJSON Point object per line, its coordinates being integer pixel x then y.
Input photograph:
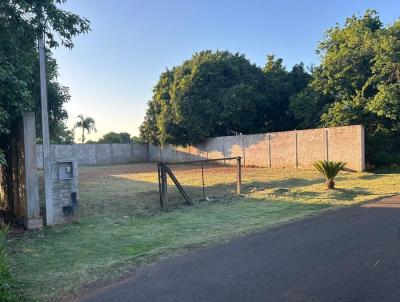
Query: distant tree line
{"type": "Point", "coordinates": [116, 138]}
{"type": "Point", "coordinates": [220, 93]}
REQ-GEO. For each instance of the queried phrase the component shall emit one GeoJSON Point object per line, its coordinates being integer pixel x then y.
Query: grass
{"type": "Point", "coordinates": [123, 227]}
{"type": "Point", "coordinates": [8, 287]}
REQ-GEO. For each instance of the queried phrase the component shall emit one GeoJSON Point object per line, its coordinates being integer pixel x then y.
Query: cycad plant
{"type": "Point", "coordinates": [330, 170]}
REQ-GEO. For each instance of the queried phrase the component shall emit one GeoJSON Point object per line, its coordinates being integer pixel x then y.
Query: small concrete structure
{"type": "Point", "coordinates": [65, 191]}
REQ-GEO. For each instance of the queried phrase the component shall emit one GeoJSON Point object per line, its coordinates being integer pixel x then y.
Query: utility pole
{"type": "Point", "coordinates": [48, 185]}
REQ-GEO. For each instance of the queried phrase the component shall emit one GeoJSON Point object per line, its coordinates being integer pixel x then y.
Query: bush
{"type": "Point", "coordinates": [7, 286]}
{"type": "Point", "coordinates": [384, 159]}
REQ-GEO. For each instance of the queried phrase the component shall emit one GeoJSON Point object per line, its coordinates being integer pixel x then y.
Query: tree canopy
{"type": "Point", "coordinates": [115, 138]}
{"type": "Point", "coordinates": [357, 81]}
{"type": "Point", "coordinates": [19, 76]}
{"type": "Point", "coordinates": [219, 93]}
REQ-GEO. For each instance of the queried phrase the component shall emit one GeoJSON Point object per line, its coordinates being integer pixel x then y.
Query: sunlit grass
{"type": "Point", "coordinates": [122, 225]}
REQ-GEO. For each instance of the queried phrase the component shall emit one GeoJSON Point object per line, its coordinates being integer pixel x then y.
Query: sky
{"type": "Point", "coordinates": [112, 70]}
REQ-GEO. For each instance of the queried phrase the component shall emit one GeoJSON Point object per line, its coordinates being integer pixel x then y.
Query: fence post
{"type": "Point", "coordinates": [238, 175]}
{"type": "Point", "coordinates": [164, 187]}
{"type": "Point", "coordinates": [202, 179]}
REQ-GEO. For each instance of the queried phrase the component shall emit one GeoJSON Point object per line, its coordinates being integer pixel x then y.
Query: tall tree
{"type": "Point", "coordinates": [211, 94]}
{"type": "Point", "coordinates": [87, 124]}
{"type": "Point", "coordinates": [282, 85]}
{"type": "Point", "coordinates": [219, 93]}
{"type": "Point", "coordinates": [19, 30]}
{"type": "Point", "coordinates": [19, 89]}
{"type": "Point", "coordinates": [358, 81]}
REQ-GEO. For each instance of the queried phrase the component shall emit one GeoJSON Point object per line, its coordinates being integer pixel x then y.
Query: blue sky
{"type": "Point", "coordinates": [112, 70]}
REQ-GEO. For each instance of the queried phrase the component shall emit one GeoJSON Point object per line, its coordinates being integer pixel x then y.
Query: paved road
{"type": "Point", "coordinates": [347, 255]}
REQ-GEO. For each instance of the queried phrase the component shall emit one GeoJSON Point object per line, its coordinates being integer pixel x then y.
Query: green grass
{"type": "Point", "coordinates": [123, 227]}
{"type": "Point", "coordinates": [8, 286]}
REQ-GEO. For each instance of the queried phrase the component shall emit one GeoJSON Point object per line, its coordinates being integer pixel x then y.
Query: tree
{"type": "Point", "coordinates": [282, 85]}
{"type": "Point", "coordinates": [87, 124]}
{"type": "Point", "coordinates": [307, 107]}
{"type": "Point", "coordinates": [19, 77]}
{"type": "Point", "coordinates": [115, 138]}
{"type": "Point", "coordinates": [358, 81]}
{"type": "Point", "coordinates": [216, 93]}
{"type": "Point", "coordinates": [19, 31]}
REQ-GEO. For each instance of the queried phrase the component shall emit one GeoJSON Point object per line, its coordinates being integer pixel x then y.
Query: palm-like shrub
{"type": "Point", "coordinates": [330, 170]}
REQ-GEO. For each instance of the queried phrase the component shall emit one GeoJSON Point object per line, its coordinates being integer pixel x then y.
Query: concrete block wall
{"type": "Point", "coordinates": [289, 149]}
{"type": "Point", "coordinates": [97, 154]}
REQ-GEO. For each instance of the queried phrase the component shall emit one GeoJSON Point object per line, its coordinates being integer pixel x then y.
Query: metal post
{"type": "Point", "coordinates": [238, 175]}
{"type": "Point", "coordinates": [45, 134]}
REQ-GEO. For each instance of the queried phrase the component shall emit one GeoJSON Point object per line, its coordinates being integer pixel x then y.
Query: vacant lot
{"type": "Point", "coordinates": [122, 225]}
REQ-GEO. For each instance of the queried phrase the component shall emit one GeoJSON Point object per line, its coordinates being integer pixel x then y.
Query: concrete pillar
{"type": "Point", "coordinates": [33, 219]}
{"type": "Point", "coordinates": [362, 148]}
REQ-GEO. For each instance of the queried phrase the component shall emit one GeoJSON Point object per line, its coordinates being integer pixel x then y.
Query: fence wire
{"type": "Point", "coordinates": [201, 180]}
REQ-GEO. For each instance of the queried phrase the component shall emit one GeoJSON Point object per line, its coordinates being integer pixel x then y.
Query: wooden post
{"type": "Point", "coordinates": [178, 185]}
{"type": "Point", "coordinates": [164, 187]}
{"type": "Point", "coordinates": [202, 179]}
{"type": "Point", "coordinates": [160, 185]}
{"type": "Point", "coordinates": [238, 175]}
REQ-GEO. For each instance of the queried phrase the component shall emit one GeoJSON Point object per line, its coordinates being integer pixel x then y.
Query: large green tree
{"type": "Point", "coordinates": [357, 82]}
{"type": "Point", "coordinates": [19, 82]}
{"type": "Point", "coordinates": [220, 93]}
{"type": "Point", "coordinates": [282, 85]}
{"type": "Point", "coordinates": [22, 22]}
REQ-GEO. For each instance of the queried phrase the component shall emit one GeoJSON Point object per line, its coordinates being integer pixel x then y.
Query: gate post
{"type": "Point", "coordinates": [238, 175]}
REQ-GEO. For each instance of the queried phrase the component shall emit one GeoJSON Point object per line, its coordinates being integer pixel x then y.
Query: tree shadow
{"type": "Point", "coordinates": [288, 183]}
{"type": "Point", "coordinates": [386, 170]}
{"type": "Point", "coordinates": [371, 176]}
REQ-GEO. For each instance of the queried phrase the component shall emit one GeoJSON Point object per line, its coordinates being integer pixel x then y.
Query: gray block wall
{"type": "Point", "coordinates": [288, 149]}
{"type": "Point", "coordinates": [97, 154]}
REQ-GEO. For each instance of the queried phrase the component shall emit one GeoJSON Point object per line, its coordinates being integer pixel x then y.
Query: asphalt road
{"type": "Point", "coordinates": [346, 255]}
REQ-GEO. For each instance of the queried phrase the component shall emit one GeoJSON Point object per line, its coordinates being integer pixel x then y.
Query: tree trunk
{"type": "Point", "coordinates": [330, 184]}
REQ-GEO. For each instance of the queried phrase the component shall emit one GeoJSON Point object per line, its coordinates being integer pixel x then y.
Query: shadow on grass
{"type": "Point", "coordinates": [282, 183]}
{"type": "Point", "coordinates": [371, 176]}
{"type": "Point", "coordinates": [115, 196]}
{"type": "Point", "coordinates": [386, 170]}
{"type": "Point", "coordinates": [347, 194]}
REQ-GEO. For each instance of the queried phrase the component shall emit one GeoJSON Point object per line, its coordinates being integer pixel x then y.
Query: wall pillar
{"type": "Point", "coordinates": [33, 219]}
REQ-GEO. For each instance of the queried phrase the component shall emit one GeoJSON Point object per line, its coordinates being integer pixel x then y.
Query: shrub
{"type": "Point", "coordinates": [7, 286]}
{"type": "Point", "coordinates": [385, 159]}
{"type": "Point", "coordinates": [330, 170]}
